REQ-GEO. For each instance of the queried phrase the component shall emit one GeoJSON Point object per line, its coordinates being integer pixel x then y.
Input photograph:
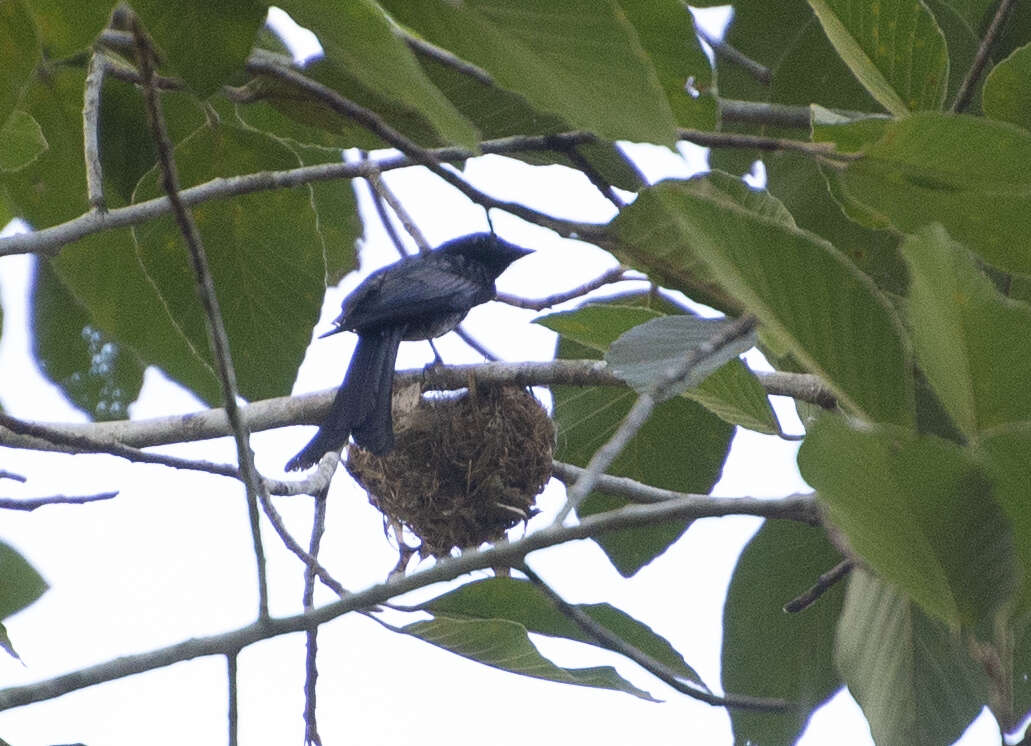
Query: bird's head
{"type": "Point", "coordinates": [487, 249]}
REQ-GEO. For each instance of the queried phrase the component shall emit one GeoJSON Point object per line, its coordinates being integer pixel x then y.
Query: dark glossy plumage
{"type": "Point", "coordinates": [420, 297]}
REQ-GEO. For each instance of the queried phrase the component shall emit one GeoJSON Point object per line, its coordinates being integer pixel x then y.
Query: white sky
{"type": "Point", "coordinates": [170, 558]}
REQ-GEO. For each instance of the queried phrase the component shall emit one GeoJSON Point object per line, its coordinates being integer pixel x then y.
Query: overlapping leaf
{"type": "Point", "coordinates": [769, 653]}
{"type": "Point", "coordinates": [1007, 91]}
{"type": "Point", "coordinates": [780, 274]}
{"type": "Point", "coordinates": [947, 543]}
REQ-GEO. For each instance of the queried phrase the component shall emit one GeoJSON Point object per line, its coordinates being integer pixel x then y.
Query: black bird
{"type": "Point", "coordinates": [419, 297]}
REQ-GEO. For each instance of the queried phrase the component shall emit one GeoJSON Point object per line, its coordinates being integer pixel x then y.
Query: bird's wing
{"type": "Point", "coordinates": [412, 291]}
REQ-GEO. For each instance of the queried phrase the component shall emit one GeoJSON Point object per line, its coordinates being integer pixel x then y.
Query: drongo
{"type": "Point", "coordinates": [419, 297]}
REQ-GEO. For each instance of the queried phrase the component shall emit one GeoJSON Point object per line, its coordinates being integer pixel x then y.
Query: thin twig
{"type": "Point", "coordinates": [638, 492]}
{"type": "Point", "coordinates": [725, 51]}
{"type": "Point", "coordinates": [966, 89]}
{"type": "Point", "coordinates": [470, 340]}
{"type": "Point", "coordinates": [444, 57]}
{"type": "Point", "coordinates": [50, 240]}
{"type": "Point", "coordinates": [660, 670]}
{"type": "Point", "coordinates": [382, 193]}
{"type": "Point", "coordinates": [824, 150]}
{"type": "Point", "coordinates": [587, 169]}
{"type": "Point", "coordinates": [233, 706]}
{"type": "Point", "coordinates": [616, 274]}
{"type": "Point", "coordinates": [209, 300]}
{"type": "Point", "coordinates": [823, 584]}
{"type": "Point", "coordinates": [310, 562]}
{"type": "Point", "coordinates": [311, 671]}
{"type": "Point", "coordinates": [91, 129]}
{"type": "Point", "coordinates": [780, 115]}
{"type": "Point", "coordinates": [31, 503]}
{"type": "Point", "coordinates": [642, 409]}
{"type": "Point", "coordinates": [507, 555]}
{"type": "Point", "coordinates": [11, 475]}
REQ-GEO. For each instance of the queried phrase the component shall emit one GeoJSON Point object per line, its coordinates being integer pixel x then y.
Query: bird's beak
{"type": "Point", "coordinates": [333, 331]}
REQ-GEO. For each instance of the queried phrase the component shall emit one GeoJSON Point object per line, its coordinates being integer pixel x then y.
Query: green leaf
{"type": "Point", "coordinates": [500, 113]}
{"type": "Point", "coordinates": [589, 52]}
{"type": "Point", "coordinates": [896, 50]}
{"type": "Point", "coordinates": [505, 645]}
{"type": "Point", "coordinates": [961, 41]}
{"type": "Point", "coordinates": [966, 173]}
{"type": "Point", "coordinates": [358, 38]}
{"type": "Point", "coordinates": [22, 585]}
{"type": "Point", "coordinates": [22, 53]}
{"type": "Point", "coordinates": [909, 673]}
{"type": "Point", "coordinates": [6, 644]}
{"type": "Point", "coordinates": [1007, 91]}
{"type": "Point", "coordinates": [644, 354]}
{"type": "Point", "coordinates": [973, 343]}
{"type": "Point", "coordinates": [666, 31]}
{"type": "Point", "coordinates": [21, 141]}
{"type": "Point", "coordinates": [66, 26]}
{"type": "Point", "coordinates": [522, 602]}
{"type": "Point", "coordinates": [734, 394]}
{"type": "Point", "coordinates": [1006, 449]}
{"type": "Point", "coordinates": [681, 447]}
{"type": "Point", "coordinates": [95, 373]}
{"type": "Point", "coordinates": [1022, 676]}
{"type": "Point", "coordinates": [203, 42]}
{"type": "Point", "coordinates": [265, 255]}
{"type": "Point", "coordinates": [919, 511]}
{"type": "Point", "coordinates": [780, 273]}
{"type": "Point", "coordinates": [796, 181]}
{"type": "Point", "coordinates": [769, 653]}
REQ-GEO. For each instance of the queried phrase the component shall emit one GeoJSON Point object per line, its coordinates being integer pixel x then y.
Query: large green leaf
{"type": "Point", "coordinates": [780, 274]}
{"type": "Point", "coordinates": [896, 50]}
{"type": "Point", "coordinates": [357, 37]}
{"type": "Point", "coordinates": [22, 583]}
{"type": "Point", "coordinates": [506, 646]}
{"type": "Point", "coordinates": [909, 673]}
{"type": "Point", "coordinates": [973, 343]}
{"type": "Point", "coordinates": [919, 511]}
{"type": "Point", "coordinates": [681, 447]}
{"type": "Point", "coordinates": [769, 653]}
{"type": "Point", "coordinates": [22, 53]}
{"type": "Point", "coordinates": [264, 252]}
{"type": "Point", "coordinates": [796, 180]}
{"type": "Point", "coordinates": [1007, 449]}
{"type": "Point", "coordinates": [1007, 91]}
{"type": "Point", "coordinates": [94, 372]}
{"type": "Point", "coordinates": [204, 42]}
{"type": "Point", "coordinates": [567, 57]}
{"type": "Point", "coordinates": [522, 602]}
{"type": "Point", "coordinates": [967, 173]}
{"type": "Point", "coordinates": [666, 31]}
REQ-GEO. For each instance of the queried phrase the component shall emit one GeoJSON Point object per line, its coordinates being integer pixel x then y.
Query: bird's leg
{"type": "Point", "coordinates": [437, 359]}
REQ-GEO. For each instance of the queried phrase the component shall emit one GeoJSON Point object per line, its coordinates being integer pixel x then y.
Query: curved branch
{"type": "Point", "coordinates": [501, 555]}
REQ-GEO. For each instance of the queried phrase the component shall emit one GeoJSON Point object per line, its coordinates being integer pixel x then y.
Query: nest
{"type": "Point", "coordinates": [464, 469]}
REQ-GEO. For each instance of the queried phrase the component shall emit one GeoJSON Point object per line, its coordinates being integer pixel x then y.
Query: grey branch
{"type": "Point", "coordinates": [503, 555]}
{"type": "Point", "coordinates": [991, 35]}
{"type": "Point", "coordinates": [616, 274]}
{"type": "Point", "coordinates": [91, 129]}
{"type": "Point", "coordinates": [111, 437]}
{"type": "Point", "coordinates": [31, 503]}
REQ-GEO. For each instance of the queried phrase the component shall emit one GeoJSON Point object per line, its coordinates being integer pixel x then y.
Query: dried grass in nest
{"type": "Point", "coordinates": [464, 469]}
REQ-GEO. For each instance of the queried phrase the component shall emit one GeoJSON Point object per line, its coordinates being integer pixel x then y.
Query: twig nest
{"type": "Point", "coordinates": [464, 469]}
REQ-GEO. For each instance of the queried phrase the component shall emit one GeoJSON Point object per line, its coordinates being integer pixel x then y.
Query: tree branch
{"type": "Point", "coordinates": [125, 437]}
{"type": "Point", "coordinates": [503, 555]}
{"type": "Point", "coordinates": [31, 503]}
{"type": "Point", "coordinates": [616, 274]}
{"type": "Point", "coordinates": [217, 336]}
{"type": "Point", "coordinates": [991, 35]}
{"type": "Point", "coordinates": [91, 128]}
